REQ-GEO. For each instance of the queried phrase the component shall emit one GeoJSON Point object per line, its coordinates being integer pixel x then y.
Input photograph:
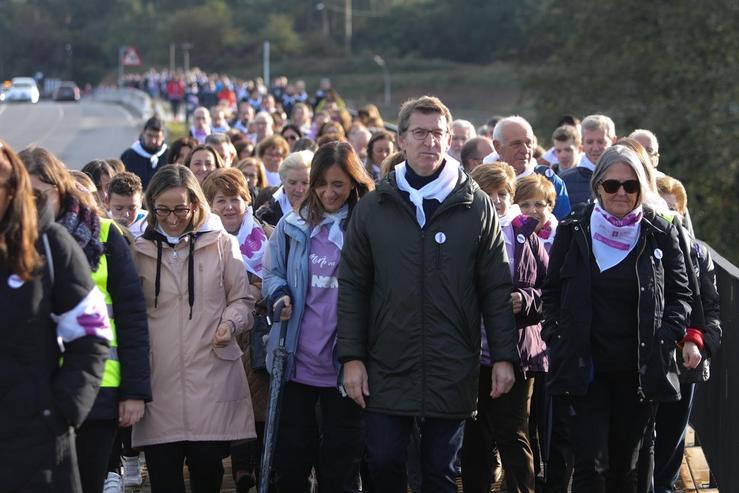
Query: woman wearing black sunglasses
{"type": "Point", "coordinates": [616, 304]}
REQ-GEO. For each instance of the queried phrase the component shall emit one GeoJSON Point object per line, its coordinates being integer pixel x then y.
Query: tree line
{"type": "Point", "coordinates": [667, 66]}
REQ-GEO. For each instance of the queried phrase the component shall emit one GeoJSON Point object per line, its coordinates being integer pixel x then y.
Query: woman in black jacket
{"type": "Point", "coordinates": [51, 309]}
{"type": "Point", "coordinates": [672, 418]}
{"type": "Point", "coordinates": [125, 386]}
{"type": "Point", "coordinates": [616, 303]}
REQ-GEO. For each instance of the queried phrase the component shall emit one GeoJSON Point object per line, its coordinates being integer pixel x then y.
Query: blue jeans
{"type": "Point", "coordinates": [387, 439]}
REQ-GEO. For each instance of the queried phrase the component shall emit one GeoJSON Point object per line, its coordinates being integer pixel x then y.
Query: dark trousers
{"type": "Point", "coordinates": [502, 422]}
{"type": "Point", "coordinates": [94, 442]}
{"type": "Point", "coordinates": [246, 456]}
{"type": "Point", "coordinates": [561, 457]}
{"type": "Point", "coordinates": [387, 438]}
{"type": "Point", "coordinates": [539, 413]}
{"type": "Point", "coordinates": [607, 428]}
{"type": "Point", "coordinates": [54, 468]}
{"type": "Point", "coordinates": [334, 451]}
{"type": "Point", "coordinates": [121, 447]}
{"type": "Point", "coordinates": [165, 463]}
{"type": "Point", "coordinates": [669, 446]}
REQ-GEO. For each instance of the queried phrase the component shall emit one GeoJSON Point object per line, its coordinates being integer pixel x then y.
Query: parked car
{"type": "Point", "coordinates": [67, 91]}
{"type": "Point", "coordinates": [22, 89]}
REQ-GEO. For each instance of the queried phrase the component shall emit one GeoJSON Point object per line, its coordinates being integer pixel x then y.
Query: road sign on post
{"type": "Point", "coordinates": [130, 57]}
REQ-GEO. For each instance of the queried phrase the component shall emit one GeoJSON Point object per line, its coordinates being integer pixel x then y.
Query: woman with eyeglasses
{"type": "Point", "coordinates": [198, 302]}
{"type": "Point", "coordinates": [536, 196]}
{"type": "Point", "coordinates": [301, 269]}
{"type": "Point", "coordinates": [616, 306]}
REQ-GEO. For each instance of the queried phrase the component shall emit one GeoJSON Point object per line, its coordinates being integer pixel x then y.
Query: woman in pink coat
{"type": "Point", "coordinates": [197, 298]}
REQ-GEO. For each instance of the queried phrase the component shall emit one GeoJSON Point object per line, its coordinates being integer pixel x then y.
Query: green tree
{"type": "Point", "coordinates": [670, 67]}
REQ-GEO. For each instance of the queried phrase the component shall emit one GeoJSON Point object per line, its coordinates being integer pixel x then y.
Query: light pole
{"type": "Point", "coordinates": [321, 7]}
{"type": "Point", "coordinates": [381, 62]}
{"type": "Point", "coordinates": [186, 47]}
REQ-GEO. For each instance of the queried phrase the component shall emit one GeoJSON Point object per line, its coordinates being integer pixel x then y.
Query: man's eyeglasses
{"type": "Point", "coordinates": [422, 133]}
{"type": "Point", "coordinates": [164, 212]}
{"type": "Point", "coordinates": [612, 186]}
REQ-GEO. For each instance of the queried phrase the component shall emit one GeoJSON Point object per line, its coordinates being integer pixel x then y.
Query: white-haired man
{"type": "Point", "coordinates": [514, 141]}
{"type": "Point", "coordinates": [462, 131]}
{"type": "Point", "coordinates": [598, 134]}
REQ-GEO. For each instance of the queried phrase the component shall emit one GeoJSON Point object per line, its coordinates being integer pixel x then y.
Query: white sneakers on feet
{"type": "Point", "coordinates": [113, 483]}
{"type": "Point", "coordinates": [132, 471]}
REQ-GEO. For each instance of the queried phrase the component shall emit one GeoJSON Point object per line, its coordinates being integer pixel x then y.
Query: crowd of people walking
{"type": "Point", "coordinates": [456, 304]}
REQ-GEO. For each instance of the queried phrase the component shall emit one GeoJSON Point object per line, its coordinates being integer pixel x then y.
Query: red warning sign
{"type": "Point", "coordinates": [130, 57]}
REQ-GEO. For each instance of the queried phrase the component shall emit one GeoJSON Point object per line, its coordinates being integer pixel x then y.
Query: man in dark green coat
{"type": "Point", "coordinates": [423, 259]}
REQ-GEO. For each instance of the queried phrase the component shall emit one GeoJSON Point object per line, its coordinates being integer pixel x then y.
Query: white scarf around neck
{"type": "Point", "coordinates": [333, 220]}
{"type": "Point", "coordinates": [273, 178]}
{"type": "Point", "coordinates": [439, 189]}
{"type": "Point", "coordinates": [252, 243]}
{"type": "Point", "coordinates": [153, 158]}
{"type": "Point", "coordinates": [281, 197]}
{"type": "Point", "coordinates": [528, 170]}
{"type": "Point", "coordinates": [513, 212]}
{"type": "Point", "coordinates": [613, 238]}
{"type": "Point", "coordinates": [586, 163]}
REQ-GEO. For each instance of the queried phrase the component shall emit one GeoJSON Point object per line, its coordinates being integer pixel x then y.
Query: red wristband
{"type": "Point", "coordinates": [695, 336]}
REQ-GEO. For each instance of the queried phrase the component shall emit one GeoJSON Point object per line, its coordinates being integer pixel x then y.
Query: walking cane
{"type": "Point", "coordinates": [275, 393]}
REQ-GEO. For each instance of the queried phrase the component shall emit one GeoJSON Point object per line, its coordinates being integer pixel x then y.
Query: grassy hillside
{"type": "Point", "coordinates": [473, 92]}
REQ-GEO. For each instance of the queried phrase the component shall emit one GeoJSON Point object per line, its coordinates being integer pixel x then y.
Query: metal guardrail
{"type": "Point", "coordinates": [716, 408]}
{"type": "Point", "coordinates": [138, 102]}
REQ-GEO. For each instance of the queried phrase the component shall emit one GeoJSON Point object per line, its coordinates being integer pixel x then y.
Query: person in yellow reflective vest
{"type": "Point", "coordinates": [126, 385]}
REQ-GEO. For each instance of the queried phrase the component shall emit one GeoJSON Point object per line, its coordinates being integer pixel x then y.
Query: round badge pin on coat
{"type": "Point", "coordinates": [440, 238]}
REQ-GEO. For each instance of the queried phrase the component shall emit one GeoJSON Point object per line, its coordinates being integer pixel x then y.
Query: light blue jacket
{"type": "Point", "coordinates": [292, 279]}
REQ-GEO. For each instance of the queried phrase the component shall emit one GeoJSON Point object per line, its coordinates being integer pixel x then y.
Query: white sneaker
{"type": "Point", "coordinates": [113, 483]}
{"type": "Point", "coordinates": [132, 471]}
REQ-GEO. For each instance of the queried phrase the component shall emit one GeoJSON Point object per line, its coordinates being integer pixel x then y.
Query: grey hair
{"type": "Point", "coordinates": [265, 115]}
{"type": "Point", "coordinates": [216, 139]}
{"type": "Point", "coordinates": [500, 126]}
{"type": "Point", "coordinates": [295, 160]}
{"type": "Point", "coordinates": [619, 154]}
{"type": "Point", "coordinates": [648, 134]}
{"type": "Point", "coordinates": [204, 110]}
{"type": "Point", "coordinates": [466, 125]}
{"type": "Point", "coordinates": [598, 122]}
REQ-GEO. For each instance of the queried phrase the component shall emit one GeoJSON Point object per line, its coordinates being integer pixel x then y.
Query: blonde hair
{"type": "Point", "coordinates": [173, 176]}
{"type": "Point", "coordinates": [229, 181]}
{"type": "Point", "coordinates": [494, 176]}
{"type": "Point", "coordinates": [257, 163]}
{"type": "Point", "coordinates": [296, 160]}
{"type": "Point", "coordinates": [535, 186]}
{"type": "Point", "coordinates": [667, 185]}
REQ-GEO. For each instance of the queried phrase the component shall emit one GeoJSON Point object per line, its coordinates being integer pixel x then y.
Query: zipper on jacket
{"type": "Point", "coordinates": [640, 389]}
{"type": "Point", "coordinates": [423, 325]}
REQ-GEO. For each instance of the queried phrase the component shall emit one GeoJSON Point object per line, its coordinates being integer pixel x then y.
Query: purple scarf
{"type": "Point", "coordinates": [84, 225]}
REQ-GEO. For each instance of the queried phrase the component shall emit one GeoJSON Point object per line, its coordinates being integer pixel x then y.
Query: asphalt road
{"type": "Point", "coordinates": [76, 132]}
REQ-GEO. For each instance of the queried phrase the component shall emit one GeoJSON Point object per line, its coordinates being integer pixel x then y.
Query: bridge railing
{"type": "Point", "coordinates": [716, 409]}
